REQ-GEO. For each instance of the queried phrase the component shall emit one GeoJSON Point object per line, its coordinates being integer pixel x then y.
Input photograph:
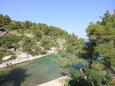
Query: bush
{"type": "Point", "coordinates": [9, 41]}
{"type": "Point", "coordinates": [98, 66]}
{"type": "Point", "coordinates": [4, 52]}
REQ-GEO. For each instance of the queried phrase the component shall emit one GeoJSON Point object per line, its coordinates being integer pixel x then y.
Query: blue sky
{"type": "Point", "coordinates": [70, 15]}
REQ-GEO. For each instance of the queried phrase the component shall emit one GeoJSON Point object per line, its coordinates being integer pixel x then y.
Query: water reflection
{"type": "Point", "coordinates": [31, 73]}
{"type": "Point", "coordinates": [14, 77]}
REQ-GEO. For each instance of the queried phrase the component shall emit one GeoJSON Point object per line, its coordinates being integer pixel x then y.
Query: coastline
{"type": "Point", "coordinates": [21, 60]}
{"type": "Point", "coordinates": [56, 82]}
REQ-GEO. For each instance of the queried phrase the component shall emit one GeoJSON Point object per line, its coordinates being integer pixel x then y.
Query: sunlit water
{"type": "Point", "coordinates": [31, 73]}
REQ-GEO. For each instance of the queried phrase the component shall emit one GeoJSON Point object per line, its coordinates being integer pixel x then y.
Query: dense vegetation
{"type": "Point", "coordinates": [35, 38]}
{"type": "Point", "coordinates": [97, 56]}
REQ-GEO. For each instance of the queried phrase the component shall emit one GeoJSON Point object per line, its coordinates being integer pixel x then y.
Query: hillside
{"type": "Point", "coordinates": [33, 38]}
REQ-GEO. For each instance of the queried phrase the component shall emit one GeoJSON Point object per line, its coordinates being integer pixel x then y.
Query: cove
{"type": "Point", "coordinates": [31, 73]}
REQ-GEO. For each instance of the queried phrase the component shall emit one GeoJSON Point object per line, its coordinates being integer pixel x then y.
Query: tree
{"type": "Point", "coordinates": [102, 38]}
{"type": "Point", "coordinates": [5, 20]}
{"type": "Point", "coordinates": [102, 42]}
{"type": "Point", "coordinates": [9, 41]}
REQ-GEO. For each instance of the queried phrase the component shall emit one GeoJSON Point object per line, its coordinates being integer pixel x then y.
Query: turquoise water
{"type": "Point", "coordinates": [31, 73]}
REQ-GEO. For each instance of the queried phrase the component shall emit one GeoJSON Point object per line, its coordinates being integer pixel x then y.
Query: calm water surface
{"type": "Point", "coordinates": [31, 73]}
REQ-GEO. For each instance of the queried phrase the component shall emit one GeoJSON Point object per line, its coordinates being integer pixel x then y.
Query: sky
{"type": "Point", "coordinates": [70, 15]}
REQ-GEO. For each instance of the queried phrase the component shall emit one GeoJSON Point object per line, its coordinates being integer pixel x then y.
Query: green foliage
{"type": "Point", "coordinates": [101, 44]}
{"type": "Point", "coordinates": [34, 38]}
{"type": "Point", "coordinates": [45, 43]}
{"type": "Point", "coordinates": [67, 62]}
{"type": "Point", "coordinates": [9, 41]}
{"type": "Point", "coordinates": [97, 66]}
{"type": "Point", "coordinates": [89, 78]}
{"type": "Point", "coordinates": [14, 25]}
{"type": "Point", "coordinates": [4, 52]}
{"type": "Point", "coordinates": [27, 24]}
{"type": "Point", "coordinates": [38, 35]}
{"type": "Point", "coordinates": [96, 77]}
{"type": "Point", "coordinates": [4, 20]}
{"type": "Point", "coordinates": [102, 37]}
{"type": "Point", "coordinates": [74, 45]}
{"type": "Point", "coordinates": [29, 45]}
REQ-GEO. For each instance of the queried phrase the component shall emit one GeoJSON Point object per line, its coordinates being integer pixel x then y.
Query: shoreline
{"type": "Point", "coordinates": [21, 60]}
{"type": "Point", "coordinates": [55, 82]}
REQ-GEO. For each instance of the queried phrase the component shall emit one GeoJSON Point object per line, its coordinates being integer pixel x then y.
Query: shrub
{"type": "Point", "coordinates": [98, 66]}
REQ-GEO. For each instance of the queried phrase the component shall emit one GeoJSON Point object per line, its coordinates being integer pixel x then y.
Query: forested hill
{"type": "Point", "coordinates": [32, 38]}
